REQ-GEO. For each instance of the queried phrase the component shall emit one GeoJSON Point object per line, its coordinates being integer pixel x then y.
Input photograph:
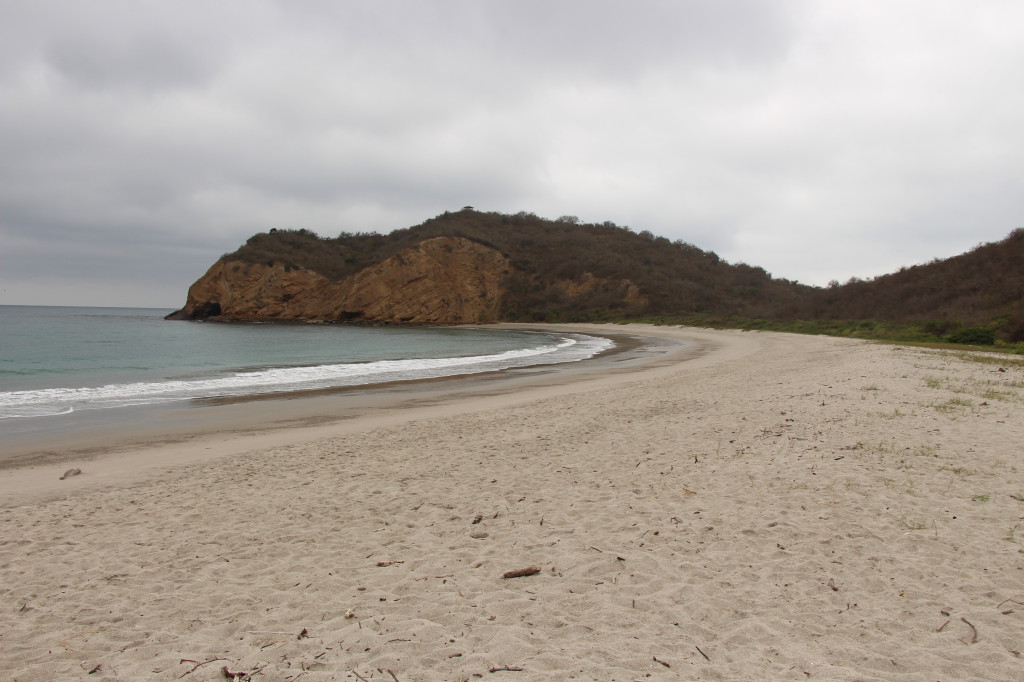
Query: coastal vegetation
{"type": "Point", "coordinates": [565, 270]}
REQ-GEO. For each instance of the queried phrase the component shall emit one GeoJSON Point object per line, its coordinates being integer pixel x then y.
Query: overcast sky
{"type": "Point", "coordinates": [819, 139]}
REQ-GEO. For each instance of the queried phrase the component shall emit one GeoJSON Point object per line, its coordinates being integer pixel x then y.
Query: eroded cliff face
{"type": "Point", "coordinates": [445, 280]}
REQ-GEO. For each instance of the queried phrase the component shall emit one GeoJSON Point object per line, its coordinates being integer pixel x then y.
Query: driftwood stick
{"type": "Point", "coordinates": [522, 572]}
{"type": "Point", "coordinates": [507, 668]}
{"type": "Point", "coordinates": [197, 665]}
{"type": "Point", "coordinates": [974, 631]}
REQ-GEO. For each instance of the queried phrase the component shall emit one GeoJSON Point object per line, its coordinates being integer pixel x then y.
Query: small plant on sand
{"type": "Point", "coordinates": [910, 524]}
{"type": "Point", "coordinates": [996, 394]}
{"type": "Point", "coordinates": [959, 471]}
{"type": "Point", "coordinates": [952, 404]}
{"type": "Point", "coordinates": [1012, 535]}
{"type": "Point", "coordinates": [982, 498]}
{"type": "Point", "coordinates": [884, 448]}
{"type": "Point", "coordinates": [933, 382]}
{"type": "Point", "coordinates": [988, 359]}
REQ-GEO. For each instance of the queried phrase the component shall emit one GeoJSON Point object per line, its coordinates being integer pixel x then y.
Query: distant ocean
{"type": "Point", "coordinates": [59, 360]}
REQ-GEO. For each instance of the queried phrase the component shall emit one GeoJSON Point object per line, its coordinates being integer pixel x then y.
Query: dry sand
{"type": "Point", "coordinates": [778, 507]}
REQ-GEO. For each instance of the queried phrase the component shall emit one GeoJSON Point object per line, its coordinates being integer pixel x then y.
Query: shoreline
{"type": "Point", "coordinates": [755, 506]}
{"type": "Point", "coordinates": [146, 402]}
{"type": "Point", "coordinates": [118, 446]}
{"type": "Point", "coordinates": [82, 432]}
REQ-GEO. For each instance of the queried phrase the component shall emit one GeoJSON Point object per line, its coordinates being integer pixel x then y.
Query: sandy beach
{"type": "Point", "coordinates": [750, 506]}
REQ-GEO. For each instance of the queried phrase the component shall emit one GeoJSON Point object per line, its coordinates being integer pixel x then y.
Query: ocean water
{"type": "Point", "coordinates": [59, 360]}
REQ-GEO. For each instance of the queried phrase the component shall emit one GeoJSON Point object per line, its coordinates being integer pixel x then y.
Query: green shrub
{"type": "Point", "coordinates": [939, 327]}
{"type": "Point", "coordinates": [978, 336]}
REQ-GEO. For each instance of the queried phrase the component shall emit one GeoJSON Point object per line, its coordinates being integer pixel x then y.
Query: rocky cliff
{"type": "Point", "coordinates": [444, 280]}
{"type": "Point", "coordinates": [469, 267]}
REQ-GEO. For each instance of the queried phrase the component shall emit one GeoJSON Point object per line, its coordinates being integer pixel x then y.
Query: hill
{"type": "Point", "coordinates": [981, 288]}
{"type": "Point", "coordinates": [548, 270]}
{"type": "Point", "coordinates": [473, 266]}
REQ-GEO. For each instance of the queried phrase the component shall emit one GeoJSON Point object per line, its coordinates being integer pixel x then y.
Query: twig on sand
{"type": "Point", "coordinates": [197, 665]}
{"type": "Point", "coordinates": [702, 653]}
{"type": "Point", "coordinates": [942, 627]}
{"type": "Point", "coordinates": [507, 668]}
{"type": "Point", "coordinates": [974, 631]}
{"type": "Point", "coordinates": [658, 660]}
{"type": "Point", "coordinates": [522, 572]}
{"type": "Point", "coordinates": [359, 676]}
{"type": "Point", "coordinates": [389, 671]}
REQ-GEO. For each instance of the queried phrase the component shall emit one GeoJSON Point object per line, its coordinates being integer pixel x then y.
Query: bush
{"type": "Point", "coordinates": [1014, 330]}
{"type": "Point", "coordinates": [978, 336]}
{"type": "Point", "coordinates": [939, 327]}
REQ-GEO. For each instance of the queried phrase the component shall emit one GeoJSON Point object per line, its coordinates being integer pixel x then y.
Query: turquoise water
{"type": "Point", "coordinates": [57, 360]}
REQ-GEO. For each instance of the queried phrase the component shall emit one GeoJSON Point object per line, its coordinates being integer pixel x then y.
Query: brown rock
{"type": "Point", "coordinates": [440, 281]}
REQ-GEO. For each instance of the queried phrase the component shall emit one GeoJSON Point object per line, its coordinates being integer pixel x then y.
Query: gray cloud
{"type": "Point", "coordinates": [150, 61]}
{"type": "Point", "coordinates": [819, 140]}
